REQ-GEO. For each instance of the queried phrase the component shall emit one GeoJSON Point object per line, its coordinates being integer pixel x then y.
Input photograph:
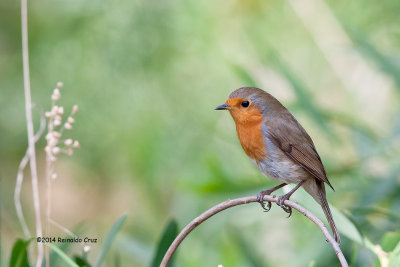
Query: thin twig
{"type": "Point", "coordinates": [29, 123]}
{"type": "Point", "coordinates": [20, 178]}
{"type": "Point", "coordinates": [245, 200]}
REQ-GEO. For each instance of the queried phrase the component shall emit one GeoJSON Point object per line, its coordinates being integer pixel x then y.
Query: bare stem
{"type": "Point", "coordinates": [29, 122]}
{"type": "Point", "coordinates": [17, 194]}
{"type": "Point", "coordinates": [245, 200]}
{"type": "Point", "coordinates": [20, 179]}
{"type": "Point", "coordinates": [49, 170]}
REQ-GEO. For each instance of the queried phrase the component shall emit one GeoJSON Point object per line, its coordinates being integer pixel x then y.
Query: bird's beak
{"type": "Point", "coordinates": [223, 107]}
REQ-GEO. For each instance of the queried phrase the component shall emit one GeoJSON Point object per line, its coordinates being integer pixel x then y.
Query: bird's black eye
{"type": "Point", "coordinates": [245, 104]}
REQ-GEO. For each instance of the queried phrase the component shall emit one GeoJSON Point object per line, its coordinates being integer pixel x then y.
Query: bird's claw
{"type": "Point", "coordinates": [285, 208]}
{"type": "Point", "coordinates": [260, 199]}
{"type": "Point", "coordinates": [279, 202]}
{"type": "Point", "coordinates": [269, 205]}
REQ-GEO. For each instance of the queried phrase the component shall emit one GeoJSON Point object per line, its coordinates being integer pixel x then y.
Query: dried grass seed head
{"type": "Point", "coordinates": [76, 144]}
{"type": "Point", "coordinates": [67, 126]}
{"type": "Point", "coordinates": [75, 109]}
{"type": "Point", "coordinates": [56, 95]}
{"type": "Point", "coordinates": [57, 122]}
{"type": "Point", "coordinates": [68, 142]}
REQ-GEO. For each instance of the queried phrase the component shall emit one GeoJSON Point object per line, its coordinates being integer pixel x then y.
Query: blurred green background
{"type": "Point", "coordinates": [146, 76]}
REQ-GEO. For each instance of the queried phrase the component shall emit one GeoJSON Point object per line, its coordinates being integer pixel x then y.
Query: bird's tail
{"type": "Point", "coordinates": [327, 210]}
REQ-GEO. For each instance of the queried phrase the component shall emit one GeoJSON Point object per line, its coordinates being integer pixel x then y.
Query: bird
{"type": "Point", "coordinates": [279, 146]}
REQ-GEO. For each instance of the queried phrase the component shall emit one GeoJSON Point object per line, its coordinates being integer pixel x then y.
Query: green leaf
{"type": "Point", "coordinates": [62, 255]}
{"type": "Point", "coordinates": [168, 236]}
{"type": "Point", "coordinates": [19, 254]}
{"type": "Point", "coordinates": [109, 239]}
{"type": "Point", "coordinates": [390, 240]}
{"type": "Point", "coordinates": [82, 262]}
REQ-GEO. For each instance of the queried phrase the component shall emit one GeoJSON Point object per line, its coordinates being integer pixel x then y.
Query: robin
{"type": "Point", "coordinates": [279, 146]}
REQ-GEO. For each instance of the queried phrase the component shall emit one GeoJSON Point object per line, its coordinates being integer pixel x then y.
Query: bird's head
{"type": "Point", "coordinates": [247, 104]}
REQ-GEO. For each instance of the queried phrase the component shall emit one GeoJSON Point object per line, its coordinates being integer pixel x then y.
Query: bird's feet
{"type": "Point", "coordinates": [280, 201]}
{"type": "Point", "coordinates": [260, 199]}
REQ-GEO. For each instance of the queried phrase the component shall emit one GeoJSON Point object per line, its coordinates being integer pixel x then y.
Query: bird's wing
{"type": "Point", "coordinates": [294, 141]}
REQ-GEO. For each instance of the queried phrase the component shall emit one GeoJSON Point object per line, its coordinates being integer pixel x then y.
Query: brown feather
{"type": "Point", "coordinates": [294, 141]}
{"type": "Point", "coordinates": [327, 211]}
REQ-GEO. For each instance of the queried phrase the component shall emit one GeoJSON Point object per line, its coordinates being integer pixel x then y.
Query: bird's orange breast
{"type": "Point", "coordinates": [251, 137]}
{"type": "Point", "coordinates": [249, 122]}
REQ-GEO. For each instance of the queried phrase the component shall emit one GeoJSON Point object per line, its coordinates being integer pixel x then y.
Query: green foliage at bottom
{"type": "Point", "coordinates": [19, 254]}
{"type": "Point", "coordinates": [168, 236]}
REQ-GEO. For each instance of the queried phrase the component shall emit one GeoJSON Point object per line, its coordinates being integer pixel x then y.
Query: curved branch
{"type": "Point", "coordinates": [246, 200]}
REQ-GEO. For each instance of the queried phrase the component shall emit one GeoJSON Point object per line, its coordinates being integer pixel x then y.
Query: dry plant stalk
{"type": "Point", "coordinates": [246, 200]}
{"type": "Point", "coordinates": [20, 179]}
{"type": "Point", "coordinates": [55, 146]}
{"type": "Point", "coordinates": [29, 123]}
